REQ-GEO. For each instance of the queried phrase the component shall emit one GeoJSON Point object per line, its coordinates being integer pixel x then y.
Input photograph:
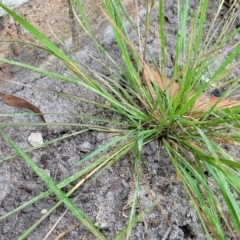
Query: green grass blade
{"type": "Point", "coordinates": [232, 204]}
{"type": "Point", "coordinates": [162, 35]}
{"type": "Point", "coordinates": [51, 185]}
{"type": "Point", "coordinates": [235, 52]}
{"type": "Point", "coordinates": [136, 190]}
{"type": "Point", "coordinates": [37, 34]}
{"type": "Point", "coordinates": [120, 150]}
{"type": "Point", "coordinates": [103, 148]}
{"type": "Point", "coordinates": [205, 204]}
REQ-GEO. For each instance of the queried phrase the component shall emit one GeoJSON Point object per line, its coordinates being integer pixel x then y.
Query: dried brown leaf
{"type": "Point", "coordinates": [21, 103]}
{"type": "Point", "coordinates": [202, 104]}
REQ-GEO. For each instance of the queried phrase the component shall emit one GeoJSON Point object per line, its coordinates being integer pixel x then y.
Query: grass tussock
{"type": "Point", "coordinates": [192, 126]}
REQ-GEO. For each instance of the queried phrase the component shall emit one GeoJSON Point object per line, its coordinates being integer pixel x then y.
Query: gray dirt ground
{"type": "Point", "coordinates": [103, 198]}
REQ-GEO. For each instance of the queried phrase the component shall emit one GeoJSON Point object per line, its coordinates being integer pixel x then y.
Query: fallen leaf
{"type": "Point", "coordinates": [202, 104]}
{"type": "Point", "coordinates": [164, 83]}
{"type": "Point", "coordinates": [20, 103]}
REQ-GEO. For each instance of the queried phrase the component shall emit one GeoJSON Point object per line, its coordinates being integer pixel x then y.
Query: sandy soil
{"type": "Point", "coordinates": [105, 197]}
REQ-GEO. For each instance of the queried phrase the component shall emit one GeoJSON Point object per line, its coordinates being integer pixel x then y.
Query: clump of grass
{"type": "Point", "coordinates": [193, 137]}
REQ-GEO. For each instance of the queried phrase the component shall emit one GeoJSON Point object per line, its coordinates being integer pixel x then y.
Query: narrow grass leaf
{"type": "Point", "coordinates": [50, 184]}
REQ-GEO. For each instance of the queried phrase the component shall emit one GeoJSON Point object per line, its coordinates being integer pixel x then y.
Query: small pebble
{"type": "Point", "coordinates": [216, 93]}
{"type": "Point", "coordinates": [44, 211]}
{"type": "Point", "coordinates": [35, 139]}
{"type": "Point", "coordinates": [116, 185]}
{"type": "Point", "coordinates": [85, 146]}
{"type": "Point", "coordinates": [47, 172]}
{"type": "Point", "coordinates": [101, 225]}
